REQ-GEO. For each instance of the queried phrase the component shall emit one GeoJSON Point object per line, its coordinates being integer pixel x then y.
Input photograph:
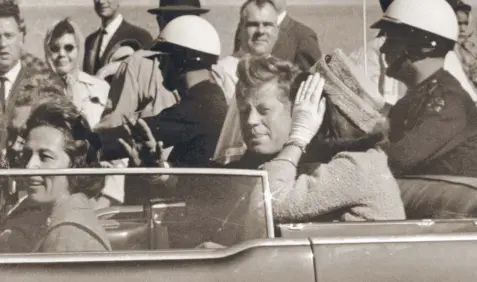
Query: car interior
{"type": "Point", "coordinates": [166, 224]}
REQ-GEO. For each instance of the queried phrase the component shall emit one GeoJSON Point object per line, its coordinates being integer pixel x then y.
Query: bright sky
{"type": "Point", "coordinates": [204, 2]}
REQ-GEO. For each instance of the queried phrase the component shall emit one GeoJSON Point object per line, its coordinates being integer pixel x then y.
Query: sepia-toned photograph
{"type": "Point", "coordinates": [238, 140]}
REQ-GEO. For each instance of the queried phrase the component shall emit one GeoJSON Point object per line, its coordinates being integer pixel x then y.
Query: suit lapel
{"type": "Point", "coordinates": [286, 24]}
{"type": "Point", "coordinates": [282, 46]}
{"type": "Point", "coordinates": [16, 86]}
{"type": "Point", "coordinates": [93, 51]}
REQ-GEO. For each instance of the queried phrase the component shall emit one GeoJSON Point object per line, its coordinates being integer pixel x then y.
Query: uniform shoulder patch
{"type": "Point", "coordinates": [436, 104]}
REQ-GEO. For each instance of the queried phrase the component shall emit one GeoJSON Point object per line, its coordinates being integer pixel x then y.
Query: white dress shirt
{"type": "Point", "coordinates": [281, 17]}
{"type": "Point", "coordinates": [110, 29]}
{"type": "Point", "coordinates": [11, 77]}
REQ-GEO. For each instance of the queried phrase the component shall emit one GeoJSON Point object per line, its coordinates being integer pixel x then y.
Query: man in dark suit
{"type": "Point", "coordinates": [296, 42]}
{"type": "Point", "coordinates": [114, 29]}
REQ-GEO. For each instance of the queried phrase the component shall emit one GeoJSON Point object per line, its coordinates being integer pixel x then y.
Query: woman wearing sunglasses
{"type": "Point", "coordinates": [64, 55]}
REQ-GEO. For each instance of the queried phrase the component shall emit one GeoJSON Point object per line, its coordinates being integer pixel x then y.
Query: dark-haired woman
{"type": "Point", "coordinates": [57, 138]}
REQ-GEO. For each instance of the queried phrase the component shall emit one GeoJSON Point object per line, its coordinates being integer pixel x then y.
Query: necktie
{"type": "Point", "coordinates": [102, 33]}
{"type": "Point", "coordinates": [3, 93]}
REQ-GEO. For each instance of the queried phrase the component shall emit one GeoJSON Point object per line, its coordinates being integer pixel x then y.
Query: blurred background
{"type": "Point", "coordinates": [338, 23]}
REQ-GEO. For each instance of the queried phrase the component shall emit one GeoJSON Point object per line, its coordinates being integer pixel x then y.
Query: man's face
{"type": "Point", "coordinates": [106, 8]}
{"type": "Point", "coordinates": [260, 29]}
{"type": "Point", "coordinates": [16, 141]}
{"type": "Point", "coordinates": [395, 53]}
{"type": "Point", "coordinates": [265, 120]}
{"type": "Point", "coordinates": [463, 19]}
{"type": "Point", "coordinates": [170, 74]}
{"type": "Point", "coordinates": [11, 43]}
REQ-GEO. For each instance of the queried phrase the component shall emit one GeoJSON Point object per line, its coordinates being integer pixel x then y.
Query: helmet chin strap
{"type": "Point", "coordinates": [397, 64]}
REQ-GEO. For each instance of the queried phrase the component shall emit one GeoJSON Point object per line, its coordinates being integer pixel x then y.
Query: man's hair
{"type": "Point", "coordinates": [61, 113]}
{"type": "Point", "coordinates": [253, 72]}
{"type": "Point", "coordinates": [460, 6]}
{"type": "Point", "coordinates": [258, 3]}
{"type": "Point", "coordinates": [11, 9]}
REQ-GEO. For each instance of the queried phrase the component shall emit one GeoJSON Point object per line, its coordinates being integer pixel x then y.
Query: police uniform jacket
{"type": "Point", "coordinates": [433, 129]}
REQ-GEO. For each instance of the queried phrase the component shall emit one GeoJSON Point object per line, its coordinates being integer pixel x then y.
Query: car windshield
{"type": "Point", "coordinates": [205, 206]}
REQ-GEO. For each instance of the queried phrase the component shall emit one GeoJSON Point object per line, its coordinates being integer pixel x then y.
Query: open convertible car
{"type": "Point", "coordinates": [223, 230]}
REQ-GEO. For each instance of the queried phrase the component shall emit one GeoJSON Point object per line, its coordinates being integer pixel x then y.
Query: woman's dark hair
{"type": "Point", "coordinates": [339, 134]}
{"type": "Point", "coordinates": [60, 113]}
{"type": "Point", "coordinates": [63, 27]}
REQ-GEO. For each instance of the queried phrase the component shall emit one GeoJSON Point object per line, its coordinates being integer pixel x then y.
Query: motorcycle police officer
{"type": "Point", "coordinates": [433, 126]}
{"type": "Point", "coordinates": [189, 46]}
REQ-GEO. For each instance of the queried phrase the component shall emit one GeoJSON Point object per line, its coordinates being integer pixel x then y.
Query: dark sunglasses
{"type": "Point", "coordinates": [68, 48]}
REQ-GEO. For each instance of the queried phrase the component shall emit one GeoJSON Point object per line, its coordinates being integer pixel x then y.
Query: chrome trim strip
{"type": "Point", "coordinates": [459, 237]}
{"type": "Point", "coordinates": [133, 171]}
{"type": "Point", "coordinates": [136, 208]}
{"type": "Point", "coordinates": [196, 254]}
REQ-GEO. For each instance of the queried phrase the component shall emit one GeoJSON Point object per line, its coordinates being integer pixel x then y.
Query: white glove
{"type": "Point", "coordinates": [308, 111]}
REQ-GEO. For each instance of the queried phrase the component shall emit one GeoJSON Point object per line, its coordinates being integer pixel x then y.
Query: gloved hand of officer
{"type": "Point", "coordinates": [308, 111]}
{"type": "Point", "coordinates": [143, 149]}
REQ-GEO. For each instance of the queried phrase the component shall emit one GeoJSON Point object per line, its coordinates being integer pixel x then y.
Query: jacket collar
{"type": "Point", "coordinates": [281, 17]}
{"type": "Point", "coordinates": [430, 82]}
{"type": "Point", "coordinates": [13, 73]}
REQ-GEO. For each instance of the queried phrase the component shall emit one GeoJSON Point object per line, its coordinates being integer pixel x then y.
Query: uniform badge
{"type": "Point", "coordinates": [436, 104]}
